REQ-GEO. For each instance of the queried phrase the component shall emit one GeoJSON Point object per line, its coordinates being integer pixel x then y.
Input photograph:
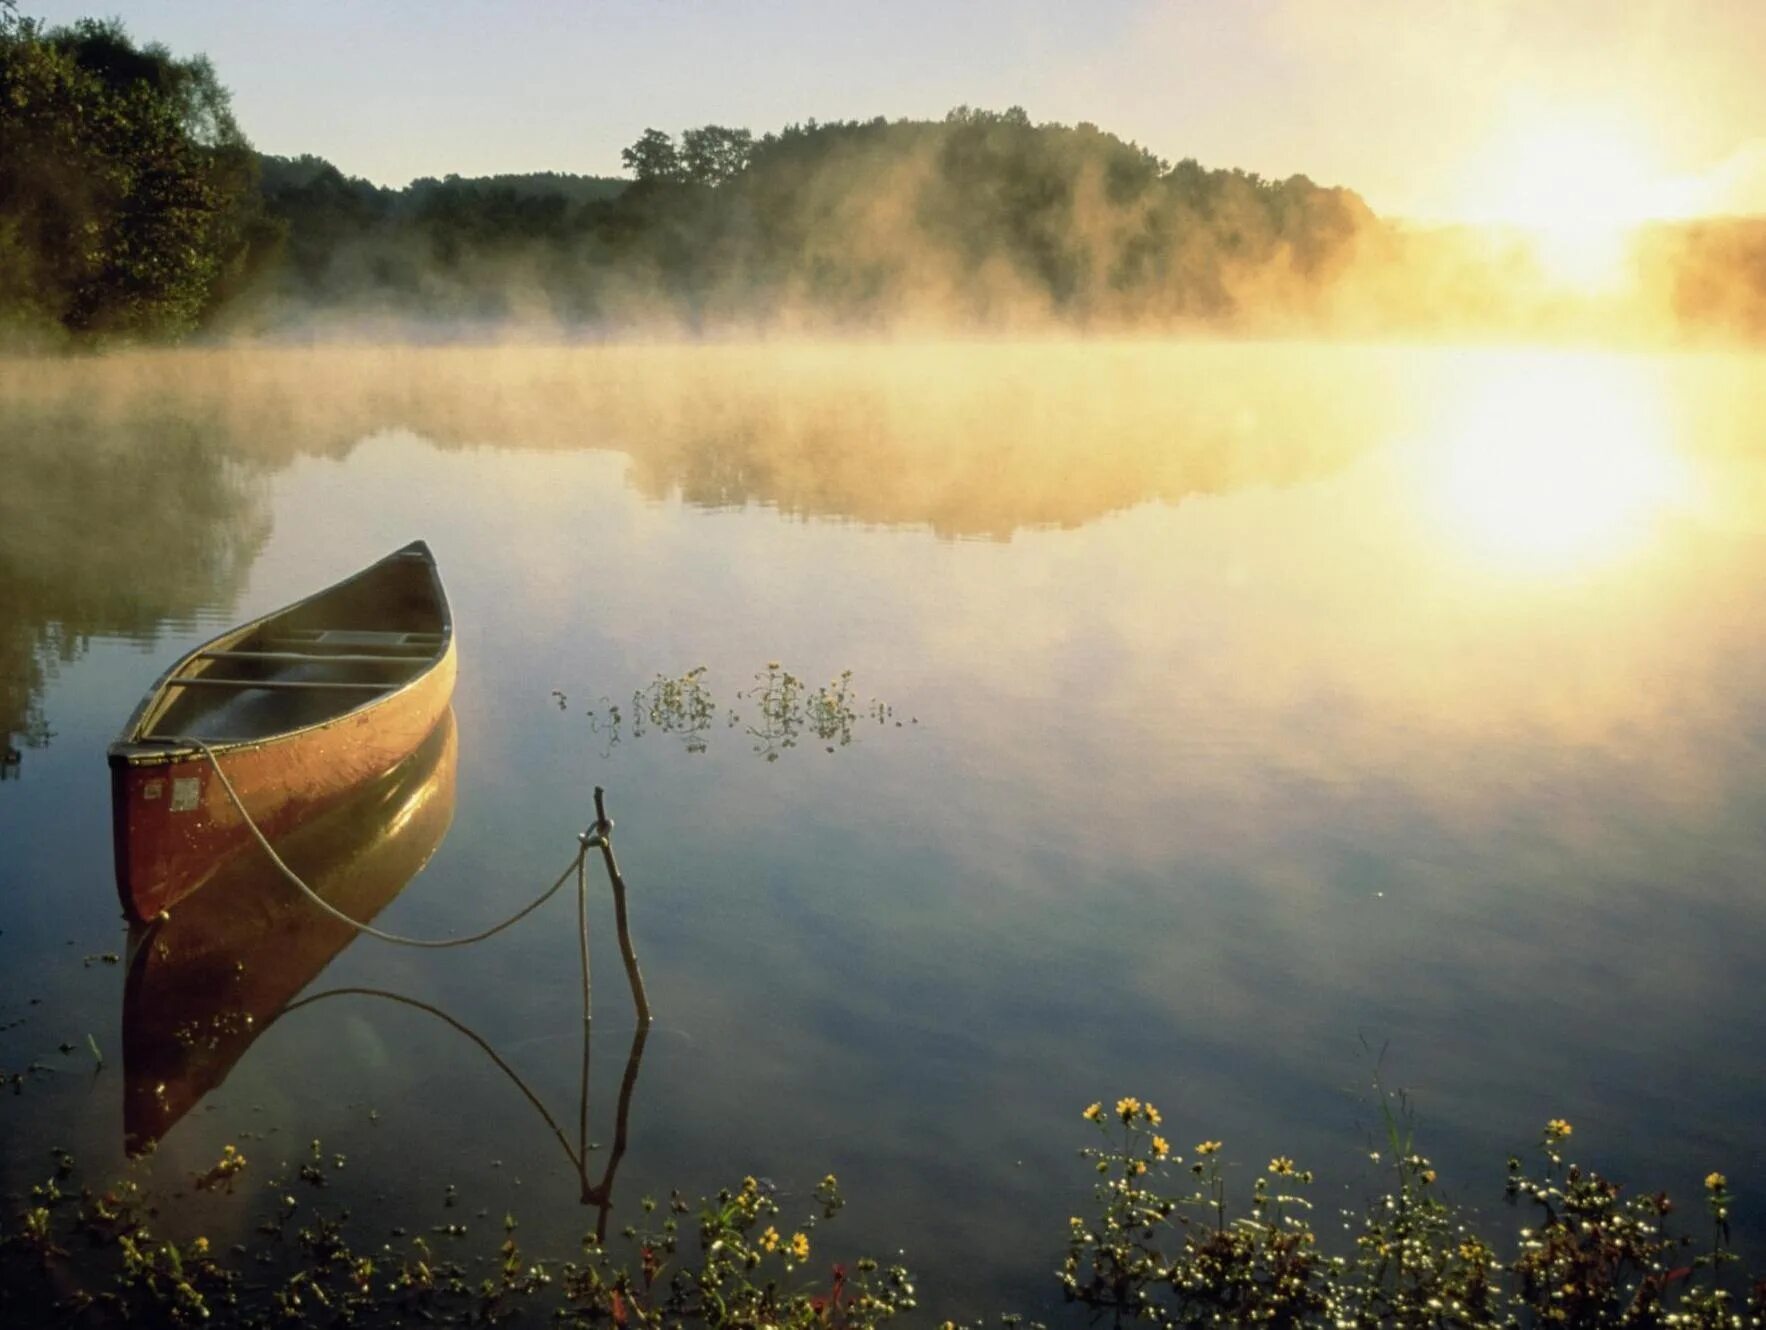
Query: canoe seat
{"type": "Point", "coordinates": [311, 685]}
{"type": "Point", "coordinates": [338, 642]}
{"type": "Point", "coordinates": [353, 637]}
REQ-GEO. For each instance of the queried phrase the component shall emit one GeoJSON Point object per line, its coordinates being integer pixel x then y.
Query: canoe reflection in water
{"type": "Point", "coordinates": [205, 981]}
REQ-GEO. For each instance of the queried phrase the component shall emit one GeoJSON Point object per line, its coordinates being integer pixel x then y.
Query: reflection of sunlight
{"type": "Point", "coordinates": [1551, 462]}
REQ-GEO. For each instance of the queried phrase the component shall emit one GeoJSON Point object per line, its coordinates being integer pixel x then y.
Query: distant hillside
{"type": "Point", "coordinates": [526, 185]}
{"type": "Point", "coordinates": [282, 175]}
{"type": "Point", "coordinates": [344, 240]}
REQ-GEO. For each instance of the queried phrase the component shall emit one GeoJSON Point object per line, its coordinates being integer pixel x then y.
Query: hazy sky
{"type": "Point", "coordinates": [1424, 106]}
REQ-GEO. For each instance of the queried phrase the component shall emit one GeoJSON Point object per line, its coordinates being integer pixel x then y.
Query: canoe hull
{"type": "Point", "coordinates": [175, 824]}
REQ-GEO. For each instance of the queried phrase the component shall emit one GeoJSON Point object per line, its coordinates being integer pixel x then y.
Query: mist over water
{"type": "Point", "coordinates": [1275, 701]}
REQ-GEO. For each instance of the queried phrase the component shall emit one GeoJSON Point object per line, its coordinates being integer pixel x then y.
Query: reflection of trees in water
{"type": "Point", "coordinates": [969, 440]}
{"type": "Point", "coordinates": [129, 502]}
{"type": "Point", "coordinates": [112, 529]}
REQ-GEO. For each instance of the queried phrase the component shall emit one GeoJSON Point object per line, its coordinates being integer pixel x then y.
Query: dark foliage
{"type": "Point", "coordinates": [128, 195]}
{"type": "Point", "coordinates": [980, 218]}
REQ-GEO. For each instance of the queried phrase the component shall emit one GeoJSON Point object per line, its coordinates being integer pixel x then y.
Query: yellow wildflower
{"type": "Point", "coordinates": [1715, 1182]}
{"type": "Point", "coordinates": [1127, 1108]}
{"type": "Point", "coordinates": [1152, 1114]}
{"type": "Point", "coordinates": [1161, 1147]}
{"type": "Point", "coordinates": [1094, 1114]}
{"type": "Point", "coordinates": [1282, 1166]}
{"type": "Point", "coordinates": [202, 1246]}
{"type": "Point", "coordinates": [1138, 1167]}
{"type": "Point", "coordinates": [1208, 1147]}
{"type": "Point", "coordinates": [1428, 1175]}
{"type": "Point", "coordinates": [1557, 1129]}
{"type": "Point", "coordinates": [800, 1246]}
{"type": "Point", "coordinates": [769, 1241]}
{"type": "Point", "coordinates": [830, 1182]}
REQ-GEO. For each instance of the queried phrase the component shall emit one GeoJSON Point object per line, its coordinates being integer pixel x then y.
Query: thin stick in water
{"type": "Point", "coordinates": [604, 833]}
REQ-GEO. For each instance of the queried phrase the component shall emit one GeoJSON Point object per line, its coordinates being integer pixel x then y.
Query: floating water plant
{"type": "Point", "coordinates": [778, 711]}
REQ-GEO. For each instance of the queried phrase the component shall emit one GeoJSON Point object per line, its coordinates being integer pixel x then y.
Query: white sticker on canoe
{"type": "Point", "coordinates": [186, 793]}
{"type": "Point", "coordinates": [153, 789]}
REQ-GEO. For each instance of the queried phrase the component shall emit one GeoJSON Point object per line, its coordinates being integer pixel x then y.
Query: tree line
{"type": "Point", "coordinates": [132, 205]}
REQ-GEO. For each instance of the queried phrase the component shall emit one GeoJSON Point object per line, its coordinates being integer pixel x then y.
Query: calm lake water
{"type": "Point", "coordinates": [1262, 707]}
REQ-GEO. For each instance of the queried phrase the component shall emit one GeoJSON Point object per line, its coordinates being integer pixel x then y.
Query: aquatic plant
{"type": "Point", "coordinates": [681, 705]}
{"type": "Point", "coordinates": [1167, 1243]}
{"type": "Point", "coordinates": [1586, 1253]}
{"type": "Point", "coordinates": [785, 712]}
{"type": "Point", "coordinates": [97, 1254]}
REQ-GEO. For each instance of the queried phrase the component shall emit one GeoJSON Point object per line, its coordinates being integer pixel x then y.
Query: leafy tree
{"type": "Point", "coordinates": [128, 195]}
{"type": "Point", "coordinates": [713, 154]}
{"type": "Point", "coordinates": [653, 157]}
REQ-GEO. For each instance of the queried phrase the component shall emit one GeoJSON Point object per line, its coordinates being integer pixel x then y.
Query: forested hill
{"type": "Point", "coordinates": [283, 180]}
{"type": "Point", "coordinates": [344, 243]}
{"type": "Point", "coordinates": [130, 204]}
{"type": "Point", "coordinates": [976, 218]}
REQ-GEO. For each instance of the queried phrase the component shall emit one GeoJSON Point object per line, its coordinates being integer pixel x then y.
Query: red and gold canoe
{"type": "Point", "coordinates": [299, 708]}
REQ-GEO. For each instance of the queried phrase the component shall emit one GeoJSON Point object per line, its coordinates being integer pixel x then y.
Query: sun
{"type": "Point", "coordinates": [1577, 188]}
{"type": "Point", "coordinates": [1575, 175]}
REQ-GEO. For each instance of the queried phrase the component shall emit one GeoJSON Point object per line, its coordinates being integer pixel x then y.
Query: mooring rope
{"type": "Point", "coordinates": [595, 838]}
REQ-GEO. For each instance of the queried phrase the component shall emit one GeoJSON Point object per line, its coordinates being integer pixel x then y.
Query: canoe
{"type": "Point", "coordinates": [298, 708]}
{"type": "Point", "coordinates": [203, 983]}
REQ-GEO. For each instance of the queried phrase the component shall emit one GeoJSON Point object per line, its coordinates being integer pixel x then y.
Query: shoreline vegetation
{"type": "Point", "coordinates": [1167, 1243]}
{"type": "Point", "coordinates": [134, 209]}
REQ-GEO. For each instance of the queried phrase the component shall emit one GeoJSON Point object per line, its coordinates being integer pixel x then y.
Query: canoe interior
{"type": "Point", "coordinates": [339, 650]}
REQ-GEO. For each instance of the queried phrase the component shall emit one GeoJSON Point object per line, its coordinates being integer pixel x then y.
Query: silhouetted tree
{"type": "Point", "coordinates": [653, 157]}
{"type": "Point", "coordinates": [713, 154]}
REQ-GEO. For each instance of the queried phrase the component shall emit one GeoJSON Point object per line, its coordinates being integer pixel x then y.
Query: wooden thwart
{"type": "Point", "coordinates": [382, 646]}
{"type": "Point", "coordinates": [329, 657]}
{"type": "Point", "coordinates": [357, 637]}
{"type": "Point", "coordinates": [315, 684]}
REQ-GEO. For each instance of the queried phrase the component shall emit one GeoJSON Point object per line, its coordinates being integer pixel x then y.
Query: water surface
{"type": "Point", "coordinates": [1261, 706]}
